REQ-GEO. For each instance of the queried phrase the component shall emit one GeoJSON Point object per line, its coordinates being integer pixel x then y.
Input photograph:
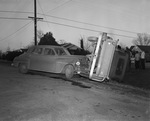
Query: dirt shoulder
{"type": "Point", "coordinates": [138, 78]}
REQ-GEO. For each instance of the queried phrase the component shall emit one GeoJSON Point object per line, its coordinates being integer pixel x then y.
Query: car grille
{"type": "Point", "coordinates": [84, 62]}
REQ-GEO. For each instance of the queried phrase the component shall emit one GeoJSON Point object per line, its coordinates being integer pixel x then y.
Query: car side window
{"type": "Point", "coordinates": [60, 51]}
{"type": "Point", "coordinates": [37, 50]}
{"type": "Point", "coordinates": [48, 51]}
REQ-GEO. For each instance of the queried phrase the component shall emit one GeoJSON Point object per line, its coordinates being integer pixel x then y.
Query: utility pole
{"type": "Point", "coordinates": [35, 22]}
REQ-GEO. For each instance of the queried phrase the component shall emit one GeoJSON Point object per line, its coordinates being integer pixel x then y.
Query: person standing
{"type": "Point", "coordinates": [143, 60]}
{"type": "Point", "coordinates": [137, 60]}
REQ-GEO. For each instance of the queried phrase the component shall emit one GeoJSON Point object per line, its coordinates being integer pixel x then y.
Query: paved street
{"type": "Point", "coordinates": [46, 97]}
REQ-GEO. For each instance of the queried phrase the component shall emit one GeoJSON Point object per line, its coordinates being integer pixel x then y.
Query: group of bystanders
{"type": "Point", "coordinates": [140, 60]}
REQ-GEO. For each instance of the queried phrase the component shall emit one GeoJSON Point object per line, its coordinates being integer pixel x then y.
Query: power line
{"type": "Point", "coordinates": [66, 25]}
{"type": "Point", "coordinates": [85, 29]}
{"type": "Point", "coordinates": [59, 6]}
{"type": "Point", "coordinates": [43, 12]}
{"type": "Point", "coordinates": [15, 31]}
{"type": "Point", "coordinates": [90, 24]}
{"type": "Point", "coordinates": [14, 18]}
{"type": "Point", "coordinates": [14, 11]}
{"type": "Point", "coordinates": [77, 22]}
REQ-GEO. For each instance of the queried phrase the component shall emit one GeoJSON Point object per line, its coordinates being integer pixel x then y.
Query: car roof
{"type": "Point", "coordinates": [43, 46]}
{"type": "Point", "coordinates": [48, 46]}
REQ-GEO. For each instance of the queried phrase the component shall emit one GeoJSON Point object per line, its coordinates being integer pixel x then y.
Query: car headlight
{"type": "Point", "coordinates": [77, 63]}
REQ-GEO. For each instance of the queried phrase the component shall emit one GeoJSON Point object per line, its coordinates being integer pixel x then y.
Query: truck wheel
{"type": "Point", "coordinates": [69, 71]}
{"type": "Point", "coordinates": [23, 68]}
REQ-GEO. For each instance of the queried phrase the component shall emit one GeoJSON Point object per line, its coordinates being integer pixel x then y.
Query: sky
{"type": "Point", "coordinates": [71, 20]}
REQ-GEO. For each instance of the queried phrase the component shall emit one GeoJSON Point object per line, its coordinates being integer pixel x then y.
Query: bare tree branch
{"type": "Point", "coordinates": [142, 39]}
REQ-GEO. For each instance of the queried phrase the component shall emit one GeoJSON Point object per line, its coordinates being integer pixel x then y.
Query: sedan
{"type": "Point", "coordinates": [47, 58]}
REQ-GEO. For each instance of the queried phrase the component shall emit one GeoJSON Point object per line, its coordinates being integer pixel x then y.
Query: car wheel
{"type": "Point", "coordinates": [23, 68]}
{"type": "Point", "coordinates": [69, 71]}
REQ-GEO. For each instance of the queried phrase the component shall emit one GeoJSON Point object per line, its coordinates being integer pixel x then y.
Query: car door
{"type": "Point", "coordinates": [48, 60]}
{"type": "Point", "coordinates": [36, 58]}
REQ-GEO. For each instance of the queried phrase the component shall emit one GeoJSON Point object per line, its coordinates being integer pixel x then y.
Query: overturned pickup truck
{"type": "Point", "coordinates": [100, 60]}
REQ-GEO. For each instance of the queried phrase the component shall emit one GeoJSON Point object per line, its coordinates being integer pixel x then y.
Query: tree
{"type": "Point", "coordinates": [48, 39]}
{"type": "Point", "coordinates": [40, 34]}
{"type": "Point", "coordinates": [142, 39]}
{"type": "Point", "coordinates": [0, 54]}
{"type": "Point", "coordinates": [8, 49]}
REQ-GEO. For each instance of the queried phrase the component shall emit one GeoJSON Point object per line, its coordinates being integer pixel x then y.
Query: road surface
{"type": "Point", "coordinates": [44, 97]}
